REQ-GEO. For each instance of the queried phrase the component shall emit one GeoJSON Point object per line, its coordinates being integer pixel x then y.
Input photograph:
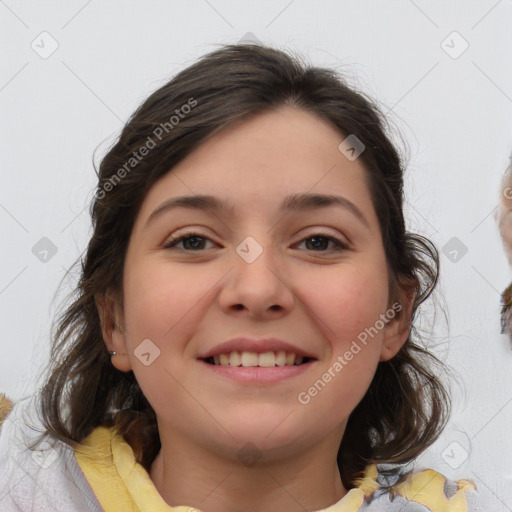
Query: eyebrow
{"type": "Point", "coordinates": [294, 202]}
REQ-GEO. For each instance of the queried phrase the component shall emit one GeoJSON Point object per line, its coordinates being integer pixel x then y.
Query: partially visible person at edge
{"type": "Point", "coordinates": [242, 334]}
{"type": "Point", "coordinates": [504, 219]}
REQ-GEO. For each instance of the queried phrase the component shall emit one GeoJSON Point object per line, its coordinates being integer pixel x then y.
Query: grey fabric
{"type": "Point", "coordinates": [46, 480]}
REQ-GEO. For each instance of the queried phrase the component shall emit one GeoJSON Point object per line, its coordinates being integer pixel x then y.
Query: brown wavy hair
{"type": "Point", "coordinates": [406, 406]}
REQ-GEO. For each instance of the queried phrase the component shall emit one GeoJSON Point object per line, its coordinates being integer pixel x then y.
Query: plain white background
{"type": "Point", "coordinates": [453, 105]}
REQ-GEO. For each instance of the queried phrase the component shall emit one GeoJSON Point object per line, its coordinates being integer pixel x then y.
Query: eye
{"type": "Point", "coordinates": [195, 242]}
{"type": "Point", "coordinates": [322, 240]}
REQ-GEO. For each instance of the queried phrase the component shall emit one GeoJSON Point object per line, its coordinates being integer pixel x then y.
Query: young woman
{"type": "Point", "coordinates": [241, 337]}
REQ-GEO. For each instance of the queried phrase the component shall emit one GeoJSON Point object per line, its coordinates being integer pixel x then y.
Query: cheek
{"type": "Point", "coordinates": [505, 228]}
{"type": "Point", "coordinates": [349, 309]}
{"type": "Point", "coordinates": [347, 306]}
{"type": "Point", "coordinates": [347, 301]}
{"type": "Point", "coordinates": [162, 304]}
{"type": "Point", "coordinates": [159, 298]}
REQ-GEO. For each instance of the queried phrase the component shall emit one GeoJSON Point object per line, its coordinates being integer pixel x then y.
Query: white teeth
{"type": "Point", "coordinates": [281, 358]}
{"type": "Point", "coordinates": [249, 359]}
{"type": "Point", "coordinates": [235, 359]}
{"type": "Point", "coordinates": [265, 359]}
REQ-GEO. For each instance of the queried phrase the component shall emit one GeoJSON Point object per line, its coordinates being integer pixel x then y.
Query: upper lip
{"type": "Point", "coordinates": [255, 345]}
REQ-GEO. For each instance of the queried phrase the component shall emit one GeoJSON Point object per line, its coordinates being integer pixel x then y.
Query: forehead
{"type": "Point", "coordinates": [254, 163]}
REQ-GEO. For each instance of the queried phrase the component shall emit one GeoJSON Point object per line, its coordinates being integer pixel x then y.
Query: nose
{"type": "Point", "coordinates": [259, 289]}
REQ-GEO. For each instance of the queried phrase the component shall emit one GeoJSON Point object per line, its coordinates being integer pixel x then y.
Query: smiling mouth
{"type": "Point", "coordinates": [258, 360]}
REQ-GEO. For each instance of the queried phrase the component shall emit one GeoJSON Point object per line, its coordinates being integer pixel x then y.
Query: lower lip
{"type": "Point", "coordinates": [258, 374]}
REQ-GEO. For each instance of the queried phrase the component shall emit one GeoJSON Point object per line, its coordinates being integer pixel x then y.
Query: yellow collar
{"type": "Point", "coordinates": [120, 483]}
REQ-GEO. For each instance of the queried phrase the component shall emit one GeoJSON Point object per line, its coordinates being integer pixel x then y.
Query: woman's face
{"type": "Point", "coordinates": [262, 265]}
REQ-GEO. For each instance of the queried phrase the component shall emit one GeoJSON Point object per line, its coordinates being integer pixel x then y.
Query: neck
{"type": "Point", "coordinates": [185, 474]}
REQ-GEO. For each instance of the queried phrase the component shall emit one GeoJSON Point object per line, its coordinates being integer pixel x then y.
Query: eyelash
{"type": "Point", "coordinates": [339, 245]}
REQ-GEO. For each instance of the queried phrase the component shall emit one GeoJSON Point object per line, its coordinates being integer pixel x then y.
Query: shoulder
{"type": "Point", "coordinates": [38, 471]}
{"type": "Point", "coordinates": [5, 407]}
{"type": "Point", "coordinates": [428, 489]}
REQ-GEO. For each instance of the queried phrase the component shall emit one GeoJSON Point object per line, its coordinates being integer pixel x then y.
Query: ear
{"type": "Point", "coordinates": [398, 328]}
{"type": "Point", "coordinates": [110, 311]}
